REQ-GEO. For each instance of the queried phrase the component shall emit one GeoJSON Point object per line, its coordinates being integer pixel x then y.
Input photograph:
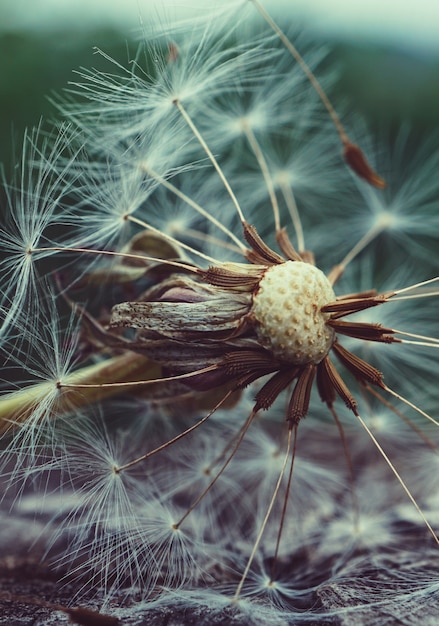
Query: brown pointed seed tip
{"type": "Point", "coordinates": [173, 53]}
{"type": "Point", "coordinates": [354, 157]}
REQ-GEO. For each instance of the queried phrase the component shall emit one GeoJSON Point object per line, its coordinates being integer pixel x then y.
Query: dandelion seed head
{"type": "Point", "coordinates": [34, 205]}
{"type": "Point", "coordinates": [385, 220]}
{"type": "Point", "coordinates": [195, 187]}
{"type": "Point", "coordinates": [254, 120]}
{"type": "Point", "coordinates": [287, 310]}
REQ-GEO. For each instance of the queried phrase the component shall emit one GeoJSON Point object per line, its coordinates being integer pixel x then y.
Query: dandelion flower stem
{"type": "Point", "coordinates": [213, 160]}
{"type": "Point", "coordinates": [429, 340]}
{"type": "Point", "coordinates": [265, 520]}
{"type": "Point", "coordinates": [367, 238]}
{"type": "Point", "coordinates": [17, 407]}
{"type": "Point", "coordinates": [411, 405]}
{"type": "Point", "coordinates": [403, 417]}
{"type": "Point", "coordinates": [350, 466]}
{"type": "Point", "coordinates": [306, 69]}
{"type": "Point", "coordinates": [352, 154]}
{"type": "Point", "coordinates": [168, 443]}
{"type": "Point", "coordinates": [157, 231]}
{"type": "Point", "coordinates": [398, 477]}
{"type": "Point", "coordinates": [427, 344]}
{"type": "Point", "coordinates": [265, 172]}
{"type": "Point", "coordinates": [136, 383]}
{"type": "Point", "coordinates": [219, 473]}
{"type": "Point", "coordinates": [427, 294]}
{"type": "Point", "coordinates": [124, 255]}
{"type": "Point", "coordinates": [205, 238]}
{"type": "Point", "coordinates": [177, 192]}
{"type": "Point", "coordinates": [284, 507]}
{"type": "Point", "coordinates": [397, 292]}
{"type": "Point", "coordinates": [290, 201]}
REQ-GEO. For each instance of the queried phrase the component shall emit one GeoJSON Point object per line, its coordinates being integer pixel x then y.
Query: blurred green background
{"type": "Point", "coordinates": [386, 81]}
{"type": "Point", "coordinates": [34, 65]}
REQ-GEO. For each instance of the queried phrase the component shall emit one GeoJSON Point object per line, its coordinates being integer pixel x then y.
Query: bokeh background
{"type": "Point", "coordinates": [387, 52]}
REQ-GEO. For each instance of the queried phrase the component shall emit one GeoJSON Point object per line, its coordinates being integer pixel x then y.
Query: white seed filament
{"type": "Point", "coordinates": [287, 312]}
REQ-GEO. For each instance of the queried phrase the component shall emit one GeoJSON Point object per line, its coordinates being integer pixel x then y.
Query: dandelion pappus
{"type": "Point", "coordinates": [183, 313]}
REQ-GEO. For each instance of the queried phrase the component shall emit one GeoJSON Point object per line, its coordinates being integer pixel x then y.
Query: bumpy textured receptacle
{"type": "Point", "coordinates": [287, 311]}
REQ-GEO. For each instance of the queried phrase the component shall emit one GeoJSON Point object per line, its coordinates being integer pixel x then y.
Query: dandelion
{"type": "Point", "coordinates": [34, 206]}
{"type": "Point", "coordinates": [196, 300]}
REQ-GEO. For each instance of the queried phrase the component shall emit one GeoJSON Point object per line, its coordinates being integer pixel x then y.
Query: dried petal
{"type": "Point", "coordinates": [181, 320]}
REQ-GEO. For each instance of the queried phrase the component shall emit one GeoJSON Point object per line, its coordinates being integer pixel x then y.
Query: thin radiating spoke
{"type": "Point", "coordinates": [398, 477]}
{"type": "Point", "coordinates": [265, 520]}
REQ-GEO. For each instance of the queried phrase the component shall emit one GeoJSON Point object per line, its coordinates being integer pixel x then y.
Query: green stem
{"type": "Point", "coordinates": [18, 406]}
